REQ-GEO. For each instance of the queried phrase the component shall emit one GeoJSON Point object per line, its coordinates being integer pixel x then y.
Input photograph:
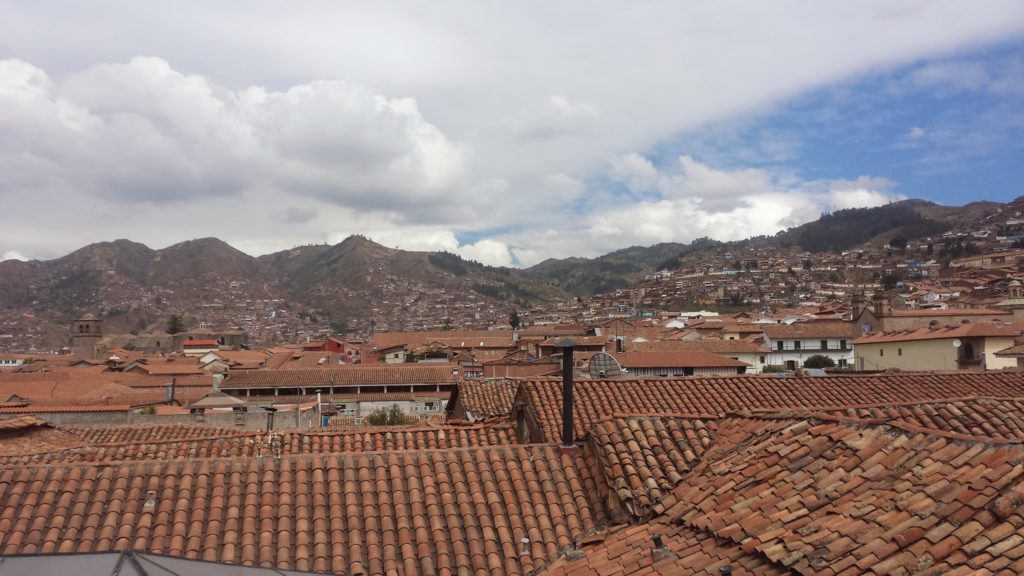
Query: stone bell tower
{"type": "Point", "coordinates": [86, 333]}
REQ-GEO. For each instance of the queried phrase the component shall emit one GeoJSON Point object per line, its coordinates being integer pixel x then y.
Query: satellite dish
{"type": "Point", "coordinates": [604, 365]}
{"type": "Point", "coordinates": [957, 343]}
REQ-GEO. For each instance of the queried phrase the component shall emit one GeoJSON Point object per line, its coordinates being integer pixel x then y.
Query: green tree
{"type": "Point", "coordinates": [898, 242]}
{"type": "Point", "coordinates": [819, 361]}
{"type": "Point", "coordinates": [447, 325]}
{"type": "Point", "coordinates": [175, 324]}
{"type": "Point", "coordinates": [513, 319]}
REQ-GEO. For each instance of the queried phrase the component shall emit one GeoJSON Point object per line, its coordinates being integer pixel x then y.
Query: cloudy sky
{"type": "Point", "coordinates": [507, 132]}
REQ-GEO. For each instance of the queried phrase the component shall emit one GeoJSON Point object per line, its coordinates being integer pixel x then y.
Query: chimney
{"type": "Point", "coordinates": [270, 418]}
{"type": "Point", "coordinates": [566, 345]}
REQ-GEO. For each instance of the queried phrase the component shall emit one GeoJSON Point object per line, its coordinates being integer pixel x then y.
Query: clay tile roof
{"type": "Point", "coordinates": [598, 399]}
{"type": "Point", "coordinates": [343, 376]}
{"type": "Point", "coordinates": [830, 497]}
{"type": "Point", "coordinates": [689, 552]}
{"type": "Point", "coordinates": [778, 495]}
{"type": "Point", "coordinates": [929, 312]}
{"type": "Point", "coordinates": [23, 435]}
{"type": "Point", "coordinates": [713, 346]}
{"type": "Point", "coordinates": [676, 359]}
{"type": "Point", "coordinates": [819, 329]}
{"type": "Point", "coordinates": [979, 418]}
{"type": "Point", "coordinates": [176, 442]}
{"type": "Point", "coordinates": [19, 423]}
{"type": "Point", "coordinates": [425, 512]}
{"type": "Point", "coordinates": [979, 330]}
{"type": "Point", "coordinates": [485, 399]}
{"type": "Point", "coordinates": [645, 457]}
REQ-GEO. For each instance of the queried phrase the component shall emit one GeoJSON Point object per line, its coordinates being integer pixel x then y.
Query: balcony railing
{"type": "Point", "coordinates": [970, 362]}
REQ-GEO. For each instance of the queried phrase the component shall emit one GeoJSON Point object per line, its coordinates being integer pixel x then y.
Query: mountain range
{"type": "Point", "coordinates": [135, 286]}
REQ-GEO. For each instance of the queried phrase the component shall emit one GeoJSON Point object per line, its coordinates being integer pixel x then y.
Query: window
{"type": "Point", "coordinates": [842, 344]}
{"type": "Point", "coordinates": [778, 345]}
{"type": "Point", "coordinates": [796, 345]}
{"type": "Point", "coordinates": [824, 344]}
{"type": "Point", "coordinates": [899, 351]}
{"type": "Point", "coordinates": [842, 363]}
{"type": "Point", "coordinates": [881, 352]}
{"type": "Point", "coordinates": [761, 359]}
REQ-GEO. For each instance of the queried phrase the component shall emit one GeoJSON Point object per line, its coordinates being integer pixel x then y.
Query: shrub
{"type": "Point", "coordinates": [819, 361]}
{"type": "Point", "coordinates": [389, 417]}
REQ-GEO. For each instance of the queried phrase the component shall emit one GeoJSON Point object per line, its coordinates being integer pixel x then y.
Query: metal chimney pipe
{"type": "Point", "coordinates": [566, 345]}
{"type": "Point", "coordinates": [270, 418]}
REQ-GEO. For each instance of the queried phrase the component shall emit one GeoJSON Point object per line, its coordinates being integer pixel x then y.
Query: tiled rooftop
{"type": "Point", "coordinates": [676, 359]}
{"type": "Point", "coordinates": [980, 418]}
{"type": "Point", "coordinates": [379, 374]}
{"type": "Point", "coordinates": [819, 329]}
{"type": "Point", "coordinates": [148, 433]}
{"type": "Point", "coordinates": [645, 457]}
{"type": "Point", "coordinates": [486, 399]}
{"type": "Point", "coordinates": [234, 443]}
{"type": "Point", "coordinates": [25, 435]}
{"type": "Point", "coordinates": [833, 498]}
{"type": "Point", "coordinates": [690, 552]}
{"type": "Point", "coordinates": [821, 496]}
{"type": "Point", "coordinates": [598, 399]}
{"type": "Point", "coordinates": [427, 512]}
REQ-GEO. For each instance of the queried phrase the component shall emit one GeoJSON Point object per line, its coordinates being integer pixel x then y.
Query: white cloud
{"type": "Point", "coordinates": [13, 255]}
{"type": "Point", "coordinates": [487, 251]}
{"type": "Point", "coordinates": [421, 126]}
{"type": "Point", "coordinates": [143, 132]}
{"type": "Point", "coordinates": [699, 200]}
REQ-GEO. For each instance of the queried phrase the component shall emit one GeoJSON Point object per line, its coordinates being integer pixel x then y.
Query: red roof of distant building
{"type": "Point", "coordinates": [200, 343]}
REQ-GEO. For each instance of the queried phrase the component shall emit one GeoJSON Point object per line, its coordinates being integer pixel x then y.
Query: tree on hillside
{"type": "Point", "coordinates": [898, 242]}
{"type": "Point", "coordinates": [175, 324]}
{"type": "Point", "coordinates": [513, 319]}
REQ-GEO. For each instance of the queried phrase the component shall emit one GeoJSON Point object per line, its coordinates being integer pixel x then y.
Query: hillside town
{"type": "Point", "coordinates": [502, 289]}
{"type": "Point", "coordinates": [595, 437]}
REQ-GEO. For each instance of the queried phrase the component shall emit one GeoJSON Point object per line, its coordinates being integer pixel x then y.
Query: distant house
{"type": "Point", "coordinates": [960, 347]}
{"type": "Point", "coordinates": [199, 347]}
{"type": "Point", "coordinates": [678, 363]}
{"type": "Point", "coordinates": [791, 345]}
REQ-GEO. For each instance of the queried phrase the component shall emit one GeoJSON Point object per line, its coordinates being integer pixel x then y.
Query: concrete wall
{"type": "Point", "coordinates": [85, 418]}
{"type": "Point", "coordinates": [256, 420]}
{"type": "Point", "coordinates": [939, 354]}
{"type": "Point", "coordinates": [919, 355]}
{"type": "Point", "coordinates": [993, 345]}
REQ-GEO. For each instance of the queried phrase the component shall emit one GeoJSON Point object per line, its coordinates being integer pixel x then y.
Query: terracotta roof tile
{"type": "Point", "coordinates": [645, 457]}
{"type": "Point", "coordinates": [25, 435]}
{"type": "Point", "coordinates": [598, 399]}
{"type": "Point", "coordinates": [485, 399]}
{"type": "Point", "coordinates": [676, 359]}
{"type": "Point", "coordinates": [707, 345]}
{"type": "Point", "coordinates": [819, 329]}
{"type": "Point", "coordinates": [176, 442]}
{"type": "Point", "coordinates": [438, 511]}
{"type": "Point", "coordinates": [378, 374]}
{"type": "Point", "coordinates": [959, 331]}
{"type": "Point", "coordinates": [686, 552]}
{"type": "Point", "coordinates": [822, 496]}
{"type": "Point", "coordinates": [980, 418]}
